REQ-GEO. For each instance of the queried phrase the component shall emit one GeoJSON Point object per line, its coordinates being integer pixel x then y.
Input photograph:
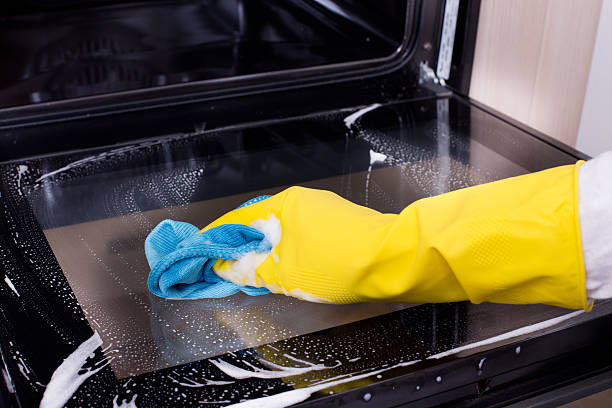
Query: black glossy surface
{"type": "Point", "coordinates": [432, 146]}
{"type": "Point", "coordinates": [71, 52]}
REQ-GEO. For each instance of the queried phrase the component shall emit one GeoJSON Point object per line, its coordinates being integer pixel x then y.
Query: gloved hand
{"type": "Point", "coordinates": [511, 241]}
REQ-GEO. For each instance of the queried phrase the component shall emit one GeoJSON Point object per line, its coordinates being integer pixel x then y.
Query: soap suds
{"type": "Point", "coordinates": [10, 284]}
{"type": "Point", "coordinates": [350, 119]}
{"type": "Point", "coordinates": [66, 378]}
{"type": "Point", "coordinates": [514, 333]}
{"type": "Point", "coordinates": [296, 293]}
{"type": "Point", "coordinates": [280, 372]}
{"type": "Point", "coordinates": [242, 271]}
{"type": "Point", "coordinates": [189, 383]}
{"type": "Point", "coordinates": [297, 360]}
{"type": "Point", "coordinates": [375, 157]}
{"type": "Point", "coordinates": [284, 399]}
{"type": "Point", "coordinates": [21, 170]}
{"type": "Point", "coordinates": [124, 403]}
{"type": "Point", "coordinates": [95, 158]}
{"type": "Point", "coordinates": [300, 294]}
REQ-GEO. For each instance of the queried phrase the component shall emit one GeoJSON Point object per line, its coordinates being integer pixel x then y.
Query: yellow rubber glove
{"type": "Point", "coordinates": [511, 241]}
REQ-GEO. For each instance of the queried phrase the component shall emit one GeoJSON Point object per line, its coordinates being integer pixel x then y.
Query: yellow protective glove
{"type": "Point", "coordinates": [511, 241]}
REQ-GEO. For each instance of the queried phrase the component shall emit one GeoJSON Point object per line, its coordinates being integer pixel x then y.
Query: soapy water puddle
{"type": "Point", "coordinates": [97, 210]}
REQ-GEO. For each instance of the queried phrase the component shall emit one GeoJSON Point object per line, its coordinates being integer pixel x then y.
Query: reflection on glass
{"type": "Point", "coordinates": [81, 51]}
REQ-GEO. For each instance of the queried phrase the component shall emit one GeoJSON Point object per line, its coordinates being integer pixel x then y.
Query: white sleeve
{"type": "Point", "coordinates": [595, 212]}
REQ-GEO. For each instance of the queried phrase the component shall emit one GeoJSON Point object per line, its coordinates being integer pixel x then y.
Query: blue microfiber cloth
{"type": "Point", "coordinates": [181, 260]}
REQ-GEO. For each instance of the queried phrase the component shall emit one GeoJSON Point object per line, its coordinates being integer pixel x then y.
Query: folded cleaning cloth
{"type": "Point", "coordinates": [181, 259]}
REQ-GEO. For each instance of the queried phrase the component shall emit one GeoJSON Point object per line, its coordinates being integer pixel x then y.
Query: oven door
{"type": "Point", "coordinates": [81, 328]}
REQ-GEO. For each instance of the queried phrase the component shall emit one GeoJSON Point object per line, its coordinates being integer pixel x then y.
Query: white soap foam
{"type": "Point", "coordinates": [124, 403]}
{"type": "Point", "coordinates": [188, 382]}
{"type": "Point", "coordinates": [302, 295]}
{"type": "Point", "coordinates": [297, 360]}
{"type": "Point", "coordinates": [94, 158]}
{"type": "Point", "coordinates": [10, 284]}
{"type": "Point", "coordinates": [279, 372]}
{"type": "Point", "coordinates": [350, 119]}
{"type": "Point", "coordinates": [242, 271]}
{"type": "Point", "coordinates": [284, 399]}
{"type": "Point", "coordinates": [66, 378]}
{"type": "Point", "coordinates": [21, 170]}
{"type": "Point", "coordinates": [514, 333]}
{"type": "Point", "coordinates": [376, 157]}
{"type": "Point", "coordinates": [214, 382]}
{"type": "Point", "coordinates": [296, 293]}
